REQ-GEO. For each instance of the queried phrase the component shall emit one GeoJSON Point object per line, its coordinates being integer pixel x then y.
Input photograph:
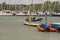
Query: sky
{"type": "Point", "coordinates": [24, 1]}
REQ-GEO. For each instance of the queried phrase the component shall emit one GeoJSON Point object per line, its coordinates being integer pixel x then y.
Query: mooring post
{"type": "Point", "coordinates": [30, 17]}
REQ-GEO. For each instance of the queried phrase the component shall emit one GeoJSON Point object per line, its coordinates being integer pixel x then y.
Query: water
{"type": "Point", "coordinates": [12, 28]}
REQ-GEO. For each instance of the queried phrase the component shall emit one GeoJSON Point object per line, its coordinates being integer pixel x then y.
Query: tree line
{"type": "Point", "coordinates": [46, 6]}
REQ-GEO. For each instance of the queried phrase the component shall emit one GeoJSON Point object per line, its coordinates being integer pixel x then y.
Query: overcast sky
{"type": "Point", "coordinates": [24, 1]}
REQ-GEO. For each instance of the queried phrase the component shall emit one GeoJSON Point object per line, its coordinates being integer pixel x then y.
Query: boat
{"type": "Point", "coordinates": [33, 19]}
{"type": "Point", "coordinates": [56, 14]}
{"type": "Point", "coordinates": [43, 28]}
{"type": "Point", "coordinates": [48, 28]}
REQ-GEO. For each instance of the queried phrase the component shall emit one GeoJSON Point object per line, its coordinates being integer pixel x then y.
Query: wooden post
{"type": "Point", "coordinates": [30, 18]}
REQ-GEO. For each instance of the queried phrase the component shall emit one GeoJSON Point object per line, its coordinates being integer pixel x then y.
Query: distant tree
{"type": "Point", "coordinates": [38, 7]}
{"type": "Point", "coordinates": [47, 5]}
{"type": "Point", "coordinates": [54, 5]}
{"type": "Point", "coordinates": [0, 7]}
{"type": "Point", "coordinates": [4, 5]}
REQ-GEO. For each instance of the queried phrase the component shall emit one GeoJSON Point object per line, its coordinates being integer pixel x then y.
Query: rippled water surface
{"type": "Point", "coordinates": [12, 28]}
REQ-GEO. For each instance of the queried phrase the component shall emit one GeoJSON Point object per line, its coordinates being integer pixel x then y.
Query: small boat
{"type": "Point", "coordinates": [43, 28]}
{"type": "Point", "coordinates": [33, 19]}
{"type": "Point", "coordinates": [48, 28]}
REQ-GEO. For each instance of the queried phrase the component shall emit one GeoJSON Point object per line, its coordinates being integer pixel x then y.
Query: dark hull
{"type": "Point", "coordinates": [39, 19]}
{"type": "Point", "coordinates": [55, 15]}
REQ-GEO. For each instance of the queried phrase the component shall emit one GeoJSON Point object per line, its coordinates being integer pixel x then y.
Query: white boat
{"type": "Point", "coordinates": [32, 13]}
{"type": "Point", "coordinates": [21, 13]}
{"type": "Point", "coordinates": [4, 13]}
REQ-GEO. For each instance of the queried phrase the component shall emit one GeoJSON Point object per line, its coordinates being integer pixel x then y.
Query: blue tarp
{"type": "Point", "coordinates": [55, 26]}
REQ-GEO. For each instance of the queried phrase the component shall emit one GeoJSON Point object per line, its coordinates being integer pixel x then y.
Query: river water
{"type": "Point", "coordinates": [12, 28]}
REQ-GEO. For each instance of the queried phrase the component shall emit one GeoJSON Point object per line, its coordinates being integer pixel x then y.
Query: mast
{"type": "Point", "coordinates": [30, 15]}
{"type": "Point", "coordinates": [9, 5]}
{"type": "Point", "coordinates": [15, 6]}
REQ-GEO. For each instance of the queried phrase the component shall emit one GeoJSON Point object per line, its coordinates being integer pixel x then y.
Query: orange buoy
{"type": "Point", "coordinates": [49, 25]}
